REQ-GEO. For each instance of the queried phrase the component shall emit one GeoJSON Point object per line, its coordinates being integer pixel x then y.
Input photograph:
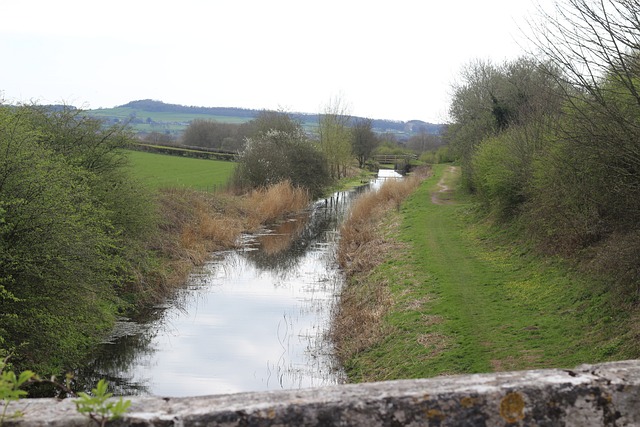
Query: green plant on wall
{"type": "Point", "coordinates": [10, 384]}
{"type": "Point", "coordinates": [95, 405]}
{"type": "Point", "coordinates": [98, 407]}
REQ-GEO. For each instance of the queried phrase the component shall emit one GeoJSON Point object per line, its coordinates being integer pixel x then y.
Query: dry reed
{"type": "Point", "coordinates": [360, 243]}
{"type": "Point", "coordinates": [271, 203]}
{"type": "Point", "coordinates": [357, 324]}
{"type": "Point", "coordinates": [194, 224]}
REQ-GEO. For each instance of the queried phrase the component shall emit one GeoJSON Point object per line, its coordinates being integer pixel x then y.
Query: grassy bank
{"type": "Point", "coordinates": [457, 295]}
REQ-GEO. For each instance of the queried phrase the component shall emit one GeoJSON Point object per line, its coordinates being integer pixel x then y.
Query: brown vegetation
{"type": "Point", "coordinates": [268, 204]}
{"type": "Point", "coordinates": [194, 224]}
{"type": "Point", "coordinates": [366, 299]}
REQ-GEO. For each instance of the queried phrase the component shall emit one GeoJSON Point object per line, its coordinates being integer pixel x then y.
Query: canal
{"type": "Point", "coordinates": [254, 318]}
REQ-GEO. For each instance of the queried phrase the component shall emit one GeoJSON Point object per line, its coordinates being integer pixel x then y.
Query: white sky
{"type": "Point", "coordinates": [393, 59]}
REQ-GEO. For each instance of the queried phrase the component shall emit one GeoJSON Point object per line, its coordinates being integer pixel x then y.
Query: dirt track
{"type": "Point", "coordinates": [441, 197]}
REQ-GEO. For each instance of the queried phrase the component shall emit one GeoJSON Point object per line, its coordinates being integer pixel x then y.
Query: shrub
{"type": "Point", "coordinates": [72, 227]}
{"type": "Point", "coordinates": [58, 251]}
{"type": "Point", "coordinates": [496, 177]}
{"type": "Point", "coordinates": [277, 156]}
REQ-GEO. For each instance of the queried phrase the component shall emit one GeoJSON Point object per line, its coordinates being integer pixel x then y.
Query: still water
{"type": "Point", "coordinates": [251, 319]}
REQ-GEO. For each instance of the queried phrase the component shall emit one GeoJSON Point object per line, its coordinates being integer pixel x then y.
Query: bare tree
{"type": "Point", "coordinates": [490, 99]}
{"type": "Point", "coordinates": [281, 121]}
{"type": "Point", "coordinates": [587, 189]}
{"type": "Point", "coordinates": [593, 40]}
{"type": "Point", "coordinates": [424, 141]}
{"type": "Point", "coordinates": [159, 138]}
{"type": "Point", "coordinates": [335, 136]}
{"type": "Point", "coordinates": [596, 44]}
{"type": "Point", "coordinates": [213, 134]}
{"type": "Point", "coordinates": [364, 140]}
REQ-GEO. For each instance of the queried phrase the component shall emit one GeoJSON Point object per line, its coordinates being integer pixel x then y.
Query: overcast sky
{"type": "Point", "coordinates": [386, 59]}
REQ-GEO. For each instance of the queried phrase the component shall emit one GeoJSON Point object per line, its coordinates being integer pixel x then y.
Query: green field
{"type": "Point", "coordinates": [160, 121]}
{"type": "Point", "coordinates": [125, 113]}
{"type": "Point", "coordinates": [163, 171]}
{"type": "Point", "coordinates": [166, 121]}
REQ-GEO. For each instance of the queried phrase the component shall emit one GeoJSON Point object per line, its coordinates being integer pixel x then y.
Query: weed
{"type": "Point", "coordinates": [195, 223]}
{"type": "Point", "coordinates": [271, 203]}
{"type": "Point", "coordinates": [360, 245]}
{"type": "Point", "coordinates": [98, 407]}
{"type": "Point", "coordinates": [10, 384]}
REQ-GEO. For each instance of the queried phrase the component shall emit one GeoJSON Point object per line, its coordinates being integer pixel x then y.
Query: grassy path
{"type": "Point", "coordinates": [469, 300]}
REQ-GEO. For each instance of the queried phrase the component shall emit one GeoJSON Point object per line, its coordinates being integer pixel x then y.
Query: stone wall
{"type": "Point", "coordinates": [591, 395]}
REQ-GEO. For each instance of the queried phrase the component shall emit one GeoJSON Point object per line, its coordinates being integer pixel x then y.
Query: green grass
{"type": "Point", "coordinates": [471, 299]}
{"type": "Point", "coordinates": [163, 171]}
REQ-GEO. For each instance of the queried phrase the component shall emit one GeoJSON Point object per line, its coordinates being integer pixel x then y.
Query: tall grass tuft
{"type": "Point", "coordinates": [271, 203]}
{"type": "Point", "coordinates": [359, 247]}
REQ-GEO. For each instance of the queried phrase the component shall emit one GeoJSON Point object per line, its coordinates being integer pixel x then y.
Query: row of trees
{"type": "Point", "coordinates": [217, 135]}
{"type": "Point", "coordinates": [555, 143]}
{"type": "Point", "coordinates": [339, 137]}
{"type": "Point", "coordinates": [275, 146]}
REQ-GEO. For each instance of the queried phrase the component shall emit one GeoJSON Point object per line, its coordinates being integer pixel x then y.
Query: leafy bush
{"type": "Point", "coordinates": [440, 155]}
{"type": "Point", "coordinates": [69, 222]}
{"type": "Point", "coordinates": [277, 156]}
{"type": "Point", "coordinates": [10, 389]}
{"type": "Point", "coordinates": [503, 167]}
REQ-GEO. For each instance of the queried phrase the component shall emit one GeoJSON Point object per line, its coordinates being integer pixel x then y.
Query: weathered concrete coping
{"type": "Point", "coordinates": [591, 395]}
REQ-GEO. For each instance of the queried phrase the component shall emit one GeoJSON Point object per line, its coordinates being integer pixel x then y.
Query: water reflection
{"type": "Point", "coordinates": [250, 319]}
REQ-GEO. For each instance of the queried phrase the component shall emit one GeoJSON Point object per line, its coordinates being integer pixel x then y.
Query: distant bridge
{"type": "Point", "coordinates": [394, 158]}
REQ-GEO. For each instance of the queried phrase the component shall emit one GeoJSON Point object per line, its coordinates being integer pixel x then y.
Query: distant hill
{"type": "Point", "coordinates": [149, 115]}
{"type": "Point", "coordinates": [160, 107]}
